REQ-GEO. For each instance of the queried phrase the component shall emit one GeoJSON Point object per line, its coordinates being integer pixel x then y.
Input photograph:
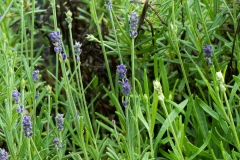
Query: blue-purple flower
{"type": "Point", "coordinates": [208, 54]}
{"type": "Point", "coordinates": [59, 121]}
{"type": "Point", "coordinates": [35, 75]}
{"type": "Point", "coordinates": [208, 51]}
{"type": "Point", "coordinates": [133, 25]}
{"type": "Point", "coordinates": [16, 96]}
{"type": "Point", "coordinates": [3, 154]}
{"type": "Point", "coordinates": [126, 86]}
{"type": "Point", "coordinates": [20, 109]}
{"type": "Point", "coordinates": [108, 4]}
{"type": "Point", "coordinates": [56, 41]}
{"type": "Point", "coordinates": [64, 57]}
{"type": "Point", "coordinates": [36, 96]}
{"type": "Point", "coordinates": [77, 50]}
{"type": "Point", "coordinates": [123, 81]}
{"type": "Point", "coordinates": [27, 126]}
{"type": "Point", "coordinates": [57, 142]}
{"type": "Point", "coordinates": [121, 70]}
{"type": "Point", "coordinates": [125, 103]}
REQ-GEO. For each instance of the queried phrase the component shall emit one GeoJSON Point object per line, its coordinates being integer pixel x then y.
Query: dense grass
{"type": "Point", "coordinates": [119, 79]}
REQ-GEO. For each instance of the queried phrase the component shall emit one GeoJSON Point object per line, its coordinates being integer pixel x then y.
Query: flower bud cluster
{"type": "Point", "coordinates": [3, 154]}
{"type": "Point", "coordinates": [158, 88]}
{"type": "Point", "coordinates": [77, 50]}
{"type": "Point", "coordinates": [59, 121]}
{"type": "Point", "coordinates": [56, 41]}
{"type": "Point", "coordinates": [57, 142]}
{"type": "Point", "coordinates": [220, 80]}
{"type": "Point", "coordinates": [108, 4]}
{"type": "Point", "coordinates": [133, 25]}
{"type": "Point", "coordinates": [27, 126]}
{"type": "Point", "coordinates": [126, 87]}
{"type": "Point", "coordinates": [208, 54]}
{"type": "Point", "coordinates": [16, 96]}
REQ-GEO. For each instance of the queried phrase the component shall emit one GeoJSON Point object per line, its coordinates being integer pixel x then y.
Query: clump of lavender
{"type": "Point", "coordinates": [27, 126]}
{"type": "Point", "coordinates": [3, 154]}
{"type": "Point", "coordinates": [133, 25]}
{"type": "Point", "coordinates": [35, 75]}
{"type": "Point", "coordinates": [56, 41]}
{"type": "Point", "coordinates": [77, 50]}
{"type": "Point", "coordinates": [208, 54]}
{"type": "Point", "coordinates": [108, 4]}
{"type": "Point", "coordinates": [16, 96]}
{"type": "Point", "coordinates": [59, 121]}
{"type": "Point", "coordinates": [57, 142]}
{"type": "Point", "coordinates": [126, 87]}
{"type": "Point", "coordinates": [20, 109]}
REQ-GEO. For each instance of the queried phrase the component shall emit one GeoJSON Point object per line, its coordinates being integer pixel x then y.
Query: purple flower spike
{"type": "Point", "coordinates": [56, 41]}
{"type": "Point", "coordinates": [133, 25]}
{"type": "Point", "coordinates": [20, 109]}
{"type": "Point", "coordinates": [3, 154]}
{"type": "Point", "coordinates": [35, 75]}
{"type": "Point", "coordinates": [16, 96]}
{"type": "Point", "coordinates": [59, 121]}
{"type": "Point", "coordinates": [126, 86]}
{"type": "Point", "coordinates": [208, 54]}
{"type": "Point", "coordinates": [208, 51]}
{"type": "Point", "coordinates": [27, 126]}
{"type": "Point", "coordinates": [125, 103]}
{"type": "Point", "coordinates": [108, 4]}
{"type": "Point", "coordinates": [57, 142]}
{"type": "Point", "coordinates": [64, 56]}
{"type": "Point", "coordinates": [121, 70]}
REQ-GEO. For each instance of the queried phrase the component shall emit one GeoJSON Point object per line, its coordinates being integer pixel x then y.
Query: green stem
{"type": "Point", "coordinates": [116, 38]}
{"type": "Point", "coordinates": [134, 95]}
{"type": "Point", "coordinates": [34, 148]}
{"type": "Point", "coordinates": [94, 14]}
{"type": "Point", "coordinates": [29, 148]}
{"type": "Point", "coordinates": [232, 121]}
{"type": "Point", "coordinates": [48, 127]}
{"type": "Point", "coordinates": [172, 129]}
{"type": "Point", "coordinates": [57, 57]}
{"type": "Point", "coordinates": [32, 30]}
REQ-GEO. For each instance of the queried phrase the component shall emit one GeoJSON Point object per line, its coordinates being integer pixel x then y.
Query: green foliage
{"type": "Point", "coordinates": [179, 107]}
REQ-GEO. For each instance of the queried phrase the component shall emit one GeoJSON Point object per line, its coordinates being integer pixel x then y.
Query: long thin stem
{"type": "Point", "coordinates": [94, 14]}
{"type": "Point", "coordinates": [232, 125]}
{"type": "Point", "coordinates": [32, 30]}
{"type": "Point", "coordinates": [116, 38]}
{"type": "Point", "coordinates": [172, 129]}
{"type": "Point", "coordinates": [57, 57]}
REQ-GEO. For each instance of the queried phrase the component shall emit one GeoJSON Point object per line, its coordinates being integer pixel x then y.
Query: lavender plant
{"type": "Point", "coordinates": [161, 102]}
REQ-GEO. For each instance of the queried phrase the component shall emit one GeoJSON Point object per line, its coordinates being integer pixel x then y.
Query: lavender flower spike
{"type": "Point", "coordinates": [20, 109]}
{"type": "Point", "coordinates": [59, 120]}
{"type": "Point", "coordinates": [121, 70]}
{"type": "Point", "coordinates": [108, 4]}
{"type": "Point", "coordinates": [3, 154]}
{"type": "Point", "coordinates": [35, 75]}
{"type": "Point", "coordinates": [27, 126]}
{"type": "Point", "coordinates": [16, 96]}
{"type": "Point", "coordinates": [208, 51]}
{"type": "Point", "coordinates": [77, 50]}
{"type": "Point", "coordinates": [56, 41]}
{"type": "Point", "coordinates": [126, 87]}
{"type": "Point", "coordinates": [133, 25]}
{"type": "Point", "coordinates": [208, 54]}
{"type": "Point", "coordinates": [57, 142]}
{"type": "Point", "coordinates": [64, 57]}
